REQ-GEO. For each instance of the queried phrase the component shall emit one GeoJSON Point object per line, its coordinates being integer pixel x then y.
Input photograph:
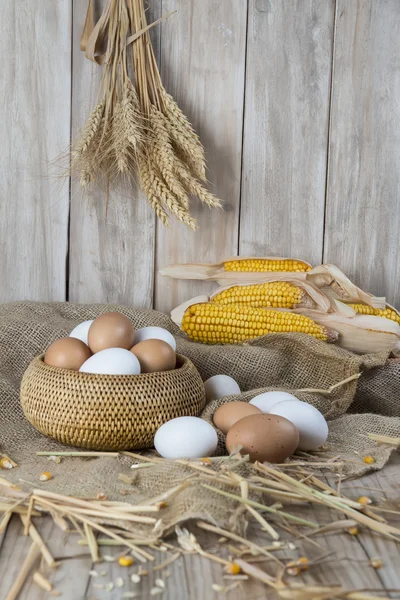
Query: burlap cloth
{"type": "Point", "coordinates": [288, 362]}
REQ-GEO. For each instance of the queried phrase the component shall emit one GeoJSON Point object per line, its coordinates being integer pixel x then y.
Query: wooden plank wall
{"type": "Point", "coordinates": [35, 93]}
{"type": "Point", "coordinates": [297, 103]}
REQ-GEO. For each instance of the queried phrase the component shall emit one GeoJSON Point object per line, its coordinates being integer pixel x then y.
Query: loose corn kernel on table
{"type": "Point", "coordinates": [358, 561]}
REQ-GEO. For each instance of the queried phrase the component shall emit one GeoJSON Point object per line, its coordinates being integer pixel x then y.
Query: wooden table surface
{"type": "Point", "coordinates": [191, 577]}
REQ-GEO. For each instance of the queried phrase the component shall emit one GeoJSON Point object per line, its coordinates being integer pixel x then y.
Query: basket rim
{"type": "Point", "coordinates": [184, 361]}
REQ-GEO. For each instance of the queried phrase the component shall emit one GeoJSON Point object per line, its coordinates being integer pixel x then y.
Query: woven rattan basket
{"type": "Point", "coordinates": [108, 412]}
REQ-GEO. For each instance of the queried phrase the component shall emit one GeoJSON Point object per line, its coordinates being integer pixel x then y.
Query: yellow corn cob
{"type": "Point", "coordinates": [276, 294]}
{"type": "Point", "coordinates": [256, 265]}
{"type": "Point", "coordinates": [234, 323]}
{"type": "Point", "coordinates": [387, 313]}
{"type": "Point", "coordinates": [239, 270]}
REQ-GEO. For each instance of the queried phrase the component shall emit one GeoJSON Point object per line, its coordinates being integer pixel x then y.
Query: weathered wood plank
{"type": "Point", "coordinates": [203, 59]}
{"type": "Point", "coordinates": [346, 563]}
{"type": "Point", "coordinates": [71, 576]}
{"type": "Point", "coordinates": [13, 553]}
{"type": "Point", "coordinates": [193, 576]}
{"type": "Point", "coordinates": [383, 489]}
{"type": "Point", "coordinates": [362, 216]}
{"type": "Point", "coordinates": [289, 54]}
{"type": "Point", "coordinates": [111, 257]}
{"type": "Point", "coordinates": [35, 41]}
{"type": "Point", "coordinates": [174, 577]}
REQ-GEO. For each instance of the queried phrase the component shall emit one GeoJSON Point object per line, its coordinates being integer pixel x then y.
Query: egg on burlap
{"type": "Point", "coordinates": [219, 386]}
{"type": "Point", "coordinates": [228, 414]}
{"type": "Point", "coordinates": [266, 438]}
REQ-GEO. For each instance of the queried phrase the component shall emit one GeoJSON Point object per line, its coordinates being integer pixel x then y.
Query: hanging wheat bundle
{"type": "Point", "coordinates": [137, 131]}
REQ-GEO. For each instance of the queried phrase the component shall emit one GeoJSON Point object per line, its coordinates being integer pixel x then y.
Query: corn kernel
{"type": "Point", "coordinates": [233, 569]}
{"type": "Point", "coordinates": [126, 561]}
{"type": "Point", "coordinates": [364, 500]}
{"type": "Point", "coordinates": [206, 461]}
{"type": "Point", "coordinates": [252, 322]}
{"type": "Point", "coordinates": [5, 463]}
{"type": "Point", "coordinates": [376, 563]}
{"type": "Point", "coordinates": [303, 563]}
{"type": "Point", "coordinates": [277, 294]}
{"type": "Point", "coordinates": [369, 460]}
{"type": "Point", "coordinates": [45, 476]}
{"type": "Point", "coordinates": [293, 571]}
{"type": "Point", "coordinates": [265, 264]}
{"type": "Point", "coordinates": [387, 313]}
{"type": "Point", "coordinates": [352, 530]}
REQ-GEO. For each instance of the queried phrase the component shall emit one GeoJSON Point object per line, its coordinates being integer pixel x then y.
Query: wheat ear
{"type": "Point", "coordinates": [155, 188]}
{"type": "Point", "coordinates": [190, 153]}
{"type": "Point", "coordinates": [120, 142]}
{"type": "Point", "coordinates": [127, 130]}
{"type": "Point", "coordinates": [194, 187]}
{"type": "Point", "coordinates": [180, 120]}
{"type": "Point", "coordinates": [169, 200]}
{"type": "Point", "coordinates": [96, 161]}
{"type": "Point", "coordinates": [89, 131]}
{"type": "Point", "coordinates": [145, 177]}
{"type": "Point", "coordinates": [163, 155]}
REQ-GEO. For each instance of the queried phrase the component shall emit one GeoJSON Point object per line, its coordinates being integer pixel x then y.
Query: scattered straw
{"type": "Point", "coordinates": [292, 482]}
{"type": "Point", "coordinates": [36, 538]}
{"type": "Point", "coordinates": [30, 560]}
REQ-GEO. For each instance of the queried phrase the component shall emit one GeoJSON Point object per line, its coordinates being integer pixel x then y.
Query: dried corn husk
{"type": "Point", "coordinates": [335, 284]}
{"type": "Point", "coordinates": [313, 296]}
{"type": "Point", "coordinates": [217, 272]}
{"type": "Point", "coordinates": [360, 333]}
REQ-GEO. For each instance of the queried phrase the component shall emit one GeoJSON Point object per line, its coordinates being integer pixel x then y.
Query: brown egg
{"type": "Point", "coordinates": [228, 414]}
{"type": "Point", "coordinates": [154, 355]}
{"type": "Point", "coordinates": [67, 353]}
{"type": "Point", "coordinates": [264, 437]}
{"type": "Point", "coordinates": [111, 330]}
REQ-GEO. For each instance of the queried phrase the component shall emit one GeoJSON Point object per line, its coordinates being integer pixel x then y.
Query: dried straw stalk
{"type": "Point", "coordinates": [290, 481]}
{"type": "Point", "coordinates": [137, 130]}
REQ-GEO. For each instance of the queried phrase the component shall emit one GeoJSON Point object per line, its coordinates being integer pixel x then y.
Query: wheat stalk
{"type": "Point", "coordinates": [164, 156]}
{"type": "Point", "coordinates": [127, 130]}
{"type": "Point", "coordinates": [176, 115]}
{"type": "Point", "coordinates": [184, 136]}
{"type": "Point", "coordinates": [159, 190]}
{"type": "Point", "coordinates": [89, 131]}
{"type": "Point", "coordinates": [187, 152]}
{"type": "Point", "coordinates": [194, 187]}
{"type": "Point", "coordinates": [120, 142]}
{"type": "Point", "coordinates": [94, 162]}
{"type": "Point", "coordinates": [146, 183]}
{"type": "Point", "coordinates": [137, 128]}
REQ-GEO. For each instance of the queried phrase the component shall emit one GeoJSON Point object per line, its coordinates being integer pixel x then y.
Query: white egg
{"type": "Point", "coordinates": [219, 386]}
{"type": "Point", "coordinates": [112, 361]}
{"type": "Point", "coordinates": [267, 400]}
{"type": "Point", "coordinates": [311, 424]}
{"type": "Point", "coordinates": [80, 332]}
{"type": "Point", "coordinates": [155, 333]}
{"type": "Point", "coordinates": [186, 437]}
